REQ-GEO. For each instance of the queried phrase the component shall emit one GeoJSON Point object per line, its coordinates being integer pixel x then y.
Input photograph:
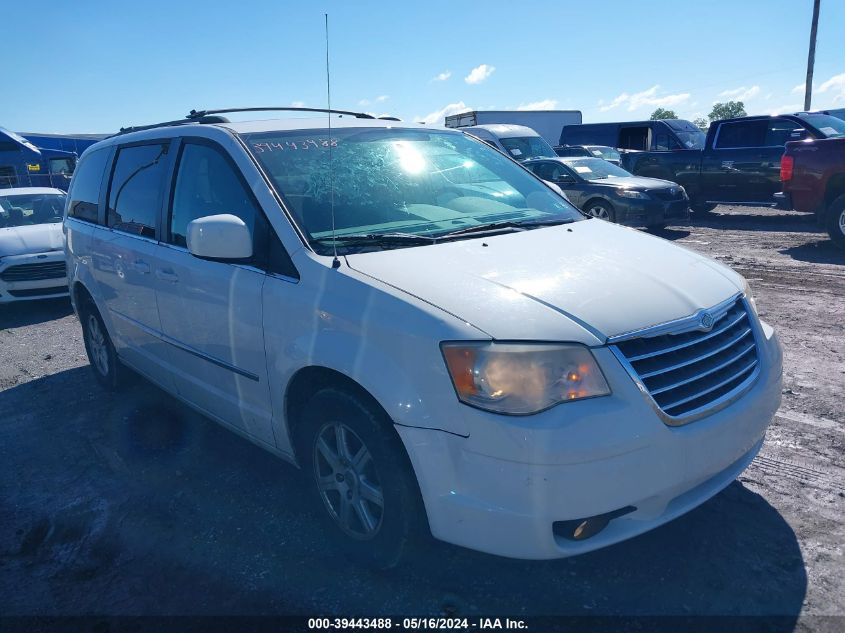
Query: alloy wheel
{"type": "Point", "coordinates": [347, 481]}
{"type": "Point", "coordinates": [97, 345]}
{"type": "Point", "coordinates": [598, 212]}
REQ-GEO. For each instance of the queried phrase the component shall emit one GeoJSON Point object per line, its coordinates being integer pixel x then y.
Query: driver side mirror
{"type": "Point", "coordinates": [564, 179]}
{"type": "Point", "coordinates": [221, 237]}
{"type": "Point", "coordinates": [798, 134]}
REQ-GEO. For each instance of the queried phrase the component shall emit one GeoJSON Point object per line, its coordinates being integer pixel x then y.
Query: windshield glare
{"type": "Point", "coordinates": [31, 209]}
{"type": "Point", "coordinates": [595, 168]}
{"type": "Point", "coordinates": [608, 153]}
{"type": "Point", "coordinates": [830, 126]}
{"type": "Point", "coordinates": [398, 181]}
{"type": "Point", "coordinates": [691, 140]}
{"type": "Point", "coordinates": [525, 147]}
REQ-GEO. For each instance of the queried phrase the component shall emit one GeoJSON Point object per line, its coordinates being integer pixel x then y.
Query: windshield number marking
{"type": "Point", "coordinates": [306, 144]}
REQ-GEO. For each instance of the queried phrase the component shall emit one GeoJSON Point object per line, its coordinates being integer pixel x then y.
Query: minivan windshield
{"type": "Point", "coordinates": [525, 147]}
{"type": "Point", "coordinates": [407, 187]}
{"type": "Point", "coordinates": [595, 168]}
{"type": "Point", "coordinates": [30, 209]}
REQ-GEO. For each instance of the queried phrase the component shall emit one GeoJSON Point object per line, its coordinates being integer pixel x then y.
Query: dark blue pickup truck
{"type": "Point", "coordinates": [738, 162]}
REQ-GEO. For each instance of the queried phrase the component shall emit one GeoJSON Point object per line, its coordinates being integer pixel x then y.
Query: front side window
{"type": "Point", "coordinates": [31, 209]}
{"type": "Point", "coordinates": [137, 187]}
{"type": "Point", "coordinates": [525, 147]}
{"type": "Point", "coordinates": [85, 186]}
{"type": "Point", "coordinates": [387, 181]}
{"type": "Point", "coordinates": [207, 185]}
{"type": "Point", "coordinates": [780, 131]}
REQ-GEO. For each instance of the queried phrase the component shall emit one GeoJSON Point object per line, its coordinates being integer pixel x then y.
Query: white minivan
{"type": "Point", "coordinates": [438, 339]}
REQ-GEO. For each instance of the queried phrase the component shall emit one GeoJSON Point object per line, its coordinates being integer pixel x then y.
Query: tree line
{"type": "Point", "coordinates": [727, 110]}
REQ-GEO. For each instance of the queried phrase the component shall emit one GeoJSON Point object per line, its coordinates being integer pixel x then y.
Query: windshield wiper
{"type": "Point", "coordinates": [378, 238]}
{"type": "Point", "coordinates": [506, 224]}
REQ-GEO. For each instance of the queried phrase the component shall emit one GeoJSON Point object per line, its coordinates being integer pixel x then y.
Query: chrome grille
{"type": "Point", "coordinates": [687, 372]}
{"type": "Point", "coordinates": [34, 272]}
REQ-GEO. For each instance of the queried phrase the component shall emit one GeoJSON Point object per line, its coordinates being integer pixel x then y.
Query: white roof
{"type": "Point", "coordinates": [19, 191]}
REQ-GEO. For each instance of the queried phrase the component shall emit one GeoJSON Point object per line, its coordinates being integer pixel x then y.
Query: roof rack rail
{"type": "Point", "coordinates": [194, 114]}
{"type": "Point", "coordinates": [138, 128]}
{"type": "Point", "coordinates": [213, 116]}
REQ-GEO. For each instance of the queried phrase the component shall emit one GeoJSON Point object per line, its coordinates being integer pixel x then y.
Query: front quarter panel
{"type": "Point", "coordinates": [384, 340]}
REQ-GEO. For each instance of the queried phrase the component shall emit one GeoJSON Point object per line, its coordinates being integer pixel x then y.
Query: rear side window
{"type": "Point", "coordinates": [136, 188]}
{"type": "Point", "coordinates": [739, 134]}
{"type": "Point", "coordinates": [85, 187]}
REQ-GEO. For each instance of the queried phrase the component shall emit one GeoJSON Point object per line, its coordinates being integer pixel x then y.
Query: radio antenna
{"type": "Point", "coordinates": [335, 261]}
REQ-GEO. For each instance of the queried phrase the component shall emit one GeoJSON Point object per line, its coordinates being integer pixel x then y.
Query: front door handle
{"type": "Point", "coordinates": [166, 274]}
{"type": "Point", "coordinates": [141, 266]}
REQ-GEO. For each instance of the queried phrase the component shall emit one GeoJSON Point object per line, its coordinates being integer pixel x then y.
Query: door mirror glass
{"type": "Point", "coordinates": [223, 236]}
{"type": "Point", "coordinates": [798, 134]}
{"type": "Point", "coordinates": [564, 179]}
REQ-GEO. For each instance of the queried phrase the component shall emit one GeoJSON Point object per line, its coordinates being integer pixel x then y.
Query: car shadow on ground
{"type": "Point", "coordinates": [132, 503]}
{"type": "Point", "coordinates": [669, 233]}
{"type": "Point", "coordinates": [739, 221]}
{"type": "Point", "coordinates": [23, 313]}
{"type": "Point", "coordinates": [817, 252]}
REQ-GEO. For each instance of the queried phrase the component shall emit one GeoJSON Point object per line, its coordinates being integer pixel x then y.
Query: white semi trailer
{"type": "Point", "coordinates": [547, 123]}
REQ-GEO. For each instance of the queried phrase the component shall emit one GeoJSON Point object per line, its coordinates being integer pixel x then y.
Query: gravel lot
{"type": "Point", "coordinates": [132, 504]}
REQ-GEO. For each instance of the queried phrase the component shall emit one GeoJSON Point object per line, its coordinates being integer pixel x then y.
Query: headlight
{"type": "Point", "coordinates": [746, 291]}
{"type": "Point", "coordinates": [522, 378]}
{"type": "Point", "coordinates": [632, 193]}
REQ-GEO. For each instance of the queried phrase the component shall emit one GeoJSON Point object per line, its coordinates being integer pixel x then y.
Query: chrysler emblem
{"type": "Point", "coordinates": [706, 321]}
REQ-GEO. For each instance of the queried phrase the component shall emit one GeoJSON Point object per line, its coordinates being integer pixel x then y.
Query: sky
{"type": "Point", "coordinates": [98, 65]}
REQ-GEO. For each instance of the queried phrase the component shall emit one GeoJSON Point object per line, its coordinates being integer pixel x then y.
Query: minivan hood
{"type": "Point", "coordinates": [581, 282]}
{"type": "Point", "coordinates": [38, 238]}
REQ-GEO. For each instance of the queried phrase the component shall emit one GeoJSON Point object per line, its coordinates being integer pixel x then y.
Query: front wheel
{"type": "Point", "coordinates": [601, 210]}
{"type": "Point", "coordinates": [361, 478]}
{"type": "Point", "coordinates": [836, 221]}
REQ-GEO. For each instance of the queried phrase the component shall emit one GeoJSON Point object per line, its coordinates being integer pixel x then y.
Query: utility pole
{"type": "Point", "coordinates": [811, 58]}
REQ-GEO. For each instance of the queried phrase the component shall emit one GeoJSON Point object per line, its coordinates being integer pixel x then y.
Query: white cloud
{"type": "Point", "coordinates": [442, 76]}
{"type": "Point", "coordinates": [545, 104]}
{"type": "Point", "coordinates": [297, 104]}
{"type": "Point", "coordinates": [479, 74]}
{"type": "Point", "coordinates": [379, 99]}
{"type": "Point", "coordinates": [646, 98]}
{"type": "Point", "coordinates": [836, 86]}
{"type": "Point", "coordinates": [741, 94]}
{"type": "Point", "coordinates": [799, 89]}
{"type": "Point", "coordinates": [789, 107]}
{"type": "Point", "coordinates": [437, 117]}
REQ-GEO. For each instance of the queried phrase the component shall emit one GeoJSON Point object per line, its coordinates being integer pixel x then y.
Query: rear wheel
{"type": "Point", "coordinates": [361, 478]}
{"type": "Point", "coordinates": [836, 221]}
{"type": "Point", "coordinates": [99, 347]}
{"type": "Point", "coordinates": [601, 210]}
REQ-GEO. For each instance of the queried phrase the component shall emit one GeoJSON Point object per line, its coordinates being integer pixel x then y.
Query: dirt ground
{"type": "Point", "coordinates": [132, 504]}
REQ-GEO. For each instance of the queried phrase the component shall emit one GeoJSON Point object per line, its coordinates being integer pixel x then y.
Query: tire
{"type": "Point", "coordinates": [702, 208]}
{"type": "Point", "coordinates": [366, 493]}
{"type": "Point", "coordinates": [601, 210]}
{"type": "Point", "coordinates": [835, 221]}
{"type": "Point", "coordinates": [98, 345]}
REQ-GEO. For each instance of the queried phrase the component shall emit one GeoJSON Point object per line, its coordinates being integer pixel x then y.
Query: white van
{"type": "Point", "coordinates": [517, 141]}
{"type": "Point", "coordinates": [434, 335]}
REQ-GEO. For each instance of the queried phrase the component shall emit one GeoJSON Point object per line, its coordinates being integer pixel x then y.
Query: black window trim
{"type": "Point", "coordinates": [167, 176]}
{"type": "Point", "coordinates": [260, 265]}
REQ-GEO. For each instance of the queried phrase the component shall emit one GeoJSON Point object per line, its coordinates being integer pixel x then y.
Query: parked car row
{"type": "Point", "coordinates": [436, 336]}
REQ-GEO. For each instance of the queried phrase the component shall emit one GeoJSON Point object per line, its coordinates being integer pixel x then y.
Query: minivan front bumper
{"type": "Point", "coordinates": [502, 489]}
